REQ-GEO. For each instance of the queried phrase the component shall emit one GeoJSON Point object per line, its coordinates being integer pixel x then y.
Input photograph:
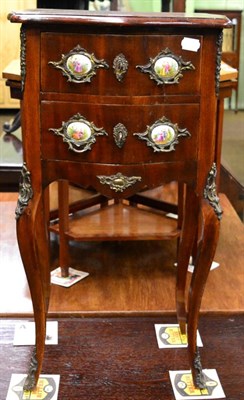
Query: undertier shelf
{"type": "Point", "coordinates": [120, 222]}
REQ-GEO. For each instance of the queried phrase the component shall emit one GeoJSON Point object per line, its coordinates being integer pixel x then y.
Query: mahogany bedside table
{"type": "Point", "coordinates": [121, 103]}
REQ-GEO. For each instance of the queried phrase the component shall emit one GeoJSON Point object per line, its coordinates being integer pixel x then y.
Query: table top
{"type": "Point", "coordinates": [50, 16]}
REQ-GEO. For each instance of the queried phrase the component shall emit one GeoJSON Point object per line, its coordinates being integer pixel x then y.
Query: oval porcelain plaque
{"type": "Point", "coordinates": [166, 67]}
{"type": "Point", "coordinates": [162, 134]}
{"type": "Point", "coordinates": [79, 64]}
{"type": "Point", "coordinates": [78, 131]}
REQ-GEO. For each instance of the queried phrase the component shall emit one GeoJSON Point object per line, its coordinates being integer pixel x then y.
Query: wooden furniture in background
{"type": "Point", "coordinates": [120, 113]}
{"type": "Point", "coordinates": [9, 46]}
{"type": "Point", "coordinates": [231, 43]}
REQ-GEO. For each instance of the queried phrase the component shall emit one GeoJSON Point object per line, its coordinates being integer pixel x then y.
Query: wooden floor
{"type": "Point", "coordinates": [130, 287]}
{"type": "Point", "coordinates": [118, 358]}
{"type": "Point", "coordinates": [135, 277]}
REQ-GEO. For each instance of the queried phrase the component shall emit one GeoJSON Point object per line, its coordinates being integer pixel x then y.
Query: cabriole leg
{"type": "Point", "coordinates": [33, 244]}
{"type": "Point", "coordinates": [184, 252]}
{"type": "Point", "coordinates": [206, 251]}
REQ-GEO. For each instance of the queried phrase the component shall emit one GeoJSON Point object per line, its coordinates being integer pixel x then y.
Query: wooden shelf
{"type": "Point", "coordinates": [120, 222]}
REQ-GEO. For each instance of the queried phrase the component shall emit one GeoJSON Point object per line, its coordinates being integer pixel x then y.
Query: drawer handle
{"type": "Point", "coordinates": [166, 68]}
{"type": "Point", "coordinates": [78, 65]}
{"type": "Point", "coordinates": [79, 133]}
{"type": "Point", "coordinates": [118, 182]}
{"type": "Point", "coordinates": [120, 66]}
{"type": "Point", "coordinates": [163, 135]}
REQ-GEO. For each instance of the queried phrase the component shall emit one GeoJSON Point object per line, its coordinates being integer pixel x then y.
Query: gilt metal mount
{"type": "Point", "coordinates": [30, 381]}
{"type": "Point", "coordinates": [210, 191]}
{"type": "Point", "coordinates": [120, 134]}
{"type": "Point", "coordinates": [120, 66]}
{"type": "Point", "coordinates": [166, 68]}
{"type": "Point", "coordinates": [25, 192]}
{"type": "Point", "coordinates": [78, 65]}
{"type": "Point", "coordinates": [79, 133]}
{"type": "Point", "coordinates": [163, 135]}
{"type": "Point", "coordinates": [118, 182]}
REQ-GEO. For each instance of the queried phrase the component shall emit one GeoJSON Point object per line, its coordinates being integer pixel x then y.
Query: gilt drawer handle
{"type": "Point", "coordinates": [166, 68]}
{"type": "Point", "coordinates": [118, 182]}
{"type": "Point", "coordinates": [79, 133]}
{"type": "Point", "coordinates": [163, 135]}
{"type": "Point", "coordinates": [78, 65]}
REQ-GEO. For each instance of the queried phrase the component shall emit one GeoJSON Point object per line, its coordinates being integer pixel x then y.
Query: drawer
{"type": "Point", "coordinates": [118, 65]}
{"type": "Point", "coordinates": [119, 134]}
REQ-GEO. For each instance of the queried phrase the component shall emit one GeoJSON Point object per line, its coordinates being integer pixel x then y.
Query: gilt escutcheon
{"type": "Point", "coordinates": [120, 66]}
{"type": "Point", "coordinates": [120, 134]}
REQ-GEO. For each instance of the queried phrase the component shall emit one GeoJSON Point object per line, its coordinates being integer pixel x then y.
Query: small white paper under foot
{"type": "Point", "coordinates": [74, 277]}
{"type": "Point", "coordinates": [169, 336]}
{"type": "Point", "coordinates": [47, 388]}
{"type": "Point", "coordinates": [24, 333]}
{"type": "Point", "coordinates": [191, 266]}
{"type": "Point", "coordinates": [184, 388]}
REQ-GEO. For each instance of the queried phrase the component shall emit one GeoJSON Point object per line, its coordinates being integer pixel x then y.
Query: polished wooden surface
{"type": "Point", "coordinates": [125, 277]}
{"type": "Point", "coordinates": [118, 358]}
{"type": "Point", "coordinates": [188, 105]}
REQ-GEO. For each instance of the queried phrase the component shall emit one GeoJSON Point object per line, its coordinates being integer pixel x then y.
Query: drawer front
{"type": "Point", "coordinates": [119, 134]}
{"type": "Point", "coordinates": [118, 65]}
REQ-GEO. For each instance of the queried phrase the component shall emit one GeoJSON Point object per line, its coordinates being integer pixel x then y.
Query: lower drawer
{"type": "Point", "coordinates": [119, 134]}
{"type": "Point", "coordinates": [119, 180]}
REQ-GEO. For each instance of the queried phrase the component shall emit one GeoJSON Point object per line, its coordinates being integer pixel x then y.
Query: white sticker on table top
{"type": "Point", "coordinates": [47, 388]}
{"type": "Point", "coordinates": [190, 44]}
{"type": "Point", "coordinates": [73, 277]}
{"type": "Point", "coordinates": [24, 334]}
{"type": "Point", "coordinates": [183, 387]}
{"type": "Point", "coordinates": [170, 336]}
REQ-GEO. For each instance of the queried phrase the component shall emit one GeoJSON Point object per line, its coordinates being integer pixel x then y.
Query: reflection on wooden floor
{"type": "Point", "coordinates": [125, 277]}
{"type": "Point", "coordinates": [118, 358]}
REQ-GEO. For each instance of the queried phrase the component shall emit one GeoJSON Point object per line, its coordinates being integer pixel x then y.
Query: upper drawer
{"type": "Point", "coordinates": [118, 65]}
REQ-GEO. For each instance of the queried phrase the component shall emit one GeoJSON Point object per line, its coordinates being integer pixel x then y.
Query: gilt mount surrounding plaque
{"type": "Point", "coordinates": [166, 68]}
{"type": "Point", "coordinates": [210, 192]}
{"type": "Point", "coordinates": [118, 182]}
{"type": "Point", "coordinates": [120, 66]}
{"type": "Point", "coordinates": [78, 65]}
{"type": "Point", "coordinates": [163, 135]}
{"type": "Point", "coordinates": [79, 133]}
{"type": "Point", "coordinates": [25, 192]}
{"type": "Point", "coordinates": [120, 134]}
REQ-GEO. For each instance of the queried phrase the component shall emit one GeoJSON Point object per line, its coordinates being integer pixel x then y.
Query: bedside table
{"type": "Point", "coordinates": [121, 103]}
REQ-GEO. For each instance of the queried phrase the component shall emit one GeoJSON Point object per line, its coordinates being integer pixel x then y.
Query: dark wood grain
{"type": "Point", "coordinates": [118, 358]}
{"type": "Point", "coordinates": [73, 17]}
{"type": "Point", "coordinates": [48, 37]}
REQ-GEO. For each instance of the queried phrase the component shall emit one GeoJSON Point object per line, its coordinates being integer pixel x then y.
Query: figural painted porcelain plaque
{"type": "Point", "coordinates": [163, 135]}
{"type": "Point", "coordinates": [166, 67]}
{"type": "Point", "coordinates": [78, 65]}
{"type": "Point", "coordinates": [79, 133]}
